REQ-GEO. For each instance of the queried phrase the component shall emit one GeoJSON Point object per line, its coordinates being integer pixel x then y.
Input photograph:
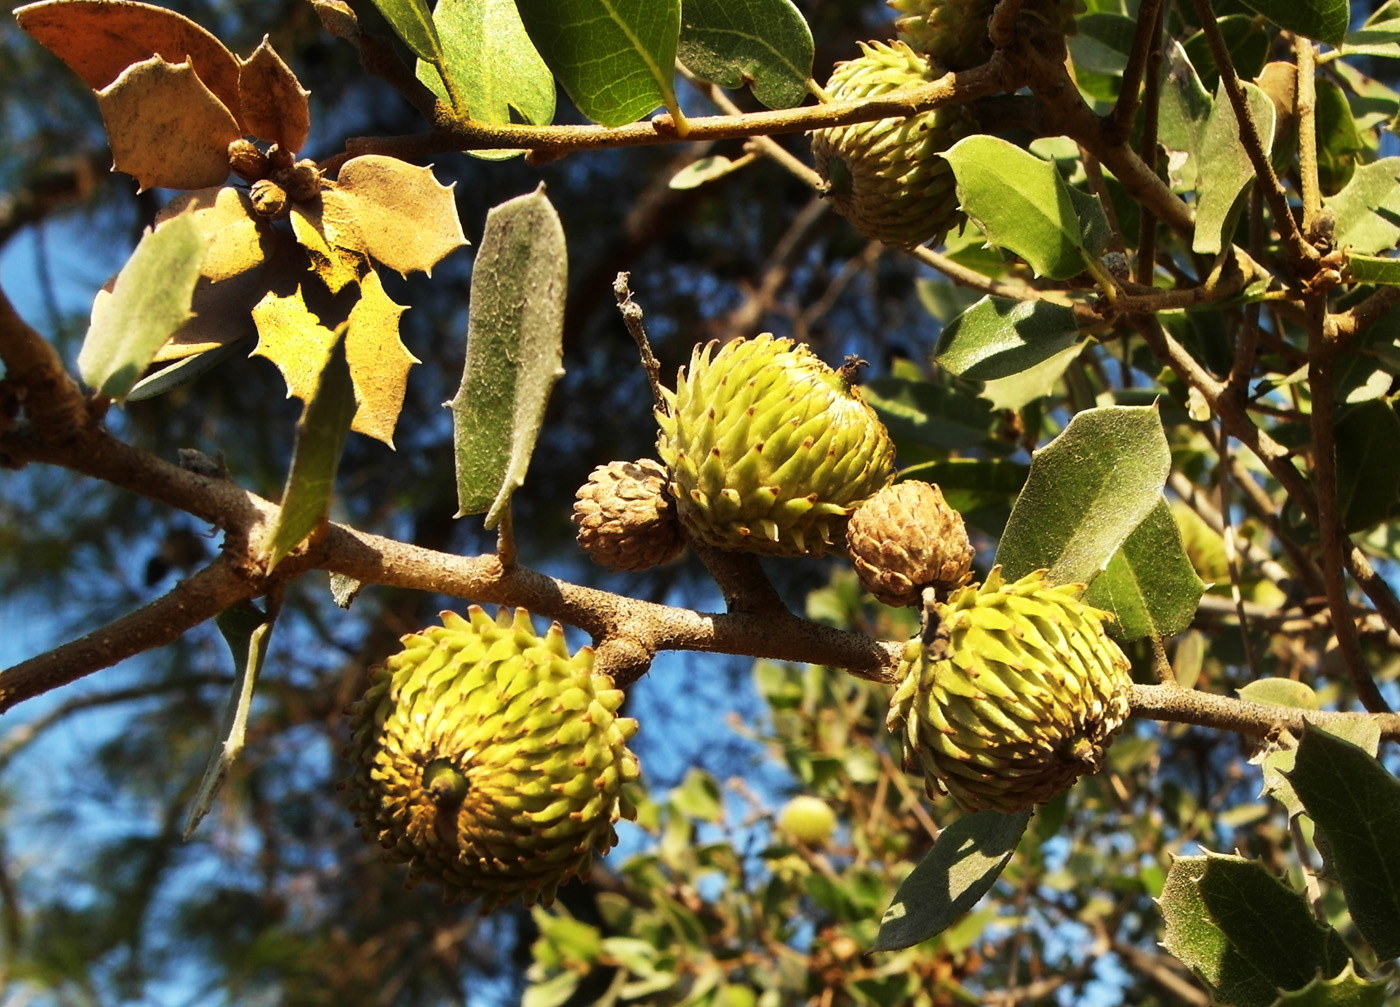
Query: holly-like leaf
{"type": "Point", "coordinates": [1355, 804]}
{"type": "Point", "coordinates": [1367, 210]}
{"type": "Point", "coordinates": [400, 213]}
{"type": "Point", "coordinates": [321, 433]}
{"type": "Point", "coordinates": [329, 233]}
{"type": "Point", "coordinates": [1088, 490]}
{"type": "Point", "coordinates": [379, 362]}
{"type": "Point", "coordinates": [1345, 990]}
{"type": "Point", "coordinates": [492, 65]}
{"type": "Point", "coordinates": [412, 21]}
{"type": "Point", "coordinates": [1230, 170]}
{"type": "Point", "coordinates": [763, 43]}
{"type": "Point", "coordinates": [514, 348]}
{"type": "Point", "coordinates": [294, 339]}
{"type": "Point", "coordinates": [1000, 336]}
{"type": "Point", "coordinates": [274, 102]}
{"type": "Point", "coordinates": [1244, 932]}
{"type": "Point", "coordinates": [1278, 760]}
{"type": "Point", "coordinates": [615, 58]}
{"type": "Point", "coordinates": [247, 632]}
{"type": "Point", "coordinates": [167, 129]}
{"type": "Point", "coordinates": [98, 39]}
{"type": "Point", "coordinates": [1022, 204]}
{"type": "Point", "coordinates": [1149, 585]}
{"type": "Point", "coordinates": [149, 302]}
{"type": "Point", "coordinates": [964, 863]}
{"type": "Point", "coordinates": [1322, 20]}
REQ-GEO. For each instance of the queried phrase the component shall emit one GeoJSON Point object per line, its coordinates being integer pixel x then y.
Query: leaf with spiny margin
{"type": "Point", "coordinates": [247, 631]}
{"type": "Point", "coordinates": [763, 43]}
{"type": "Point", "coordinates": [966, 860]}
{"type": "Point", "coordinates": [166, 128]}
{"type": "Point", "coordinates": [274, 102]}
{"type": "Point", "coordinates": [1149, 585]}
{"type": "Point", "coordinates": [1023, 205]}
{"type": "Point", "coordinates": [412, 21]}
{"type": "Point", "coordinates": [615, 58]}
{"type": "Point", "coordinates": [292, 336]}
{"type": "Point", "coordinates": [321, 433]}
{"type": "Point", "coordinates": [99, 39]}
{"type": "Point", "coordinates": [404, 217]}
{"type": "Point", "coordinates": [1244, 932]}
{"type": "Point", "coordinates": [514, 348]}
{"type": "Point", "coordinates": [379, 362]}
{"type": "Point", "coordinates": [1367, 210]}
{"type": "Point", "coordinates": [1088, 490]}
{"type": "Point", "coordinates": [327, 230]}
{"type": "Point", "coordinates": [1355, 803]}
{"type": "Point", "coordinates": [1228, 170]}
{"type": "Point", "coordinates": [1278, 759]}
{"type": "Point", "coordinates": [493, 66]}
{"type": "Point", "coordinates": [1322, 20]}
{"type": "Point", "coordinates": [1345, 990]}
{"type": "Point", "coordinates": [1001, 336]}
{"type": "Point", "coordinates": [150, 301]}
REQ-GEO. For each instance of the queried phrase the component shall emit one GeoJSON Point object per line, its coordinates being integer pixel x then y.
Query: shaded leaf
{"type": "Point", "coordinates": [321, 434]}
{"type": "Point", "coordinates": [184, 370]}
{"type": "Point", "coordinates": [1355, 804]}
{"type": "Point", "coordinates": [166, 128]}
{"type": "Point", "coordinates": [1185, 110]}
{"type": "Point", "coordinates": [1087, 491]}
{"type": "Point", "coordinates": [1244, 932]}
{"type": "Point", "coordinates": [274, 102]}
{"type": "Point", "coordinates": [329, 233]}
{"type": "Point", "coordinates": [1373, 269]}
{"type": "Point", "coordinates": [922, 413]}
{"type": "Point", "coordinates": [1246, 40]}
{"type": "Point", "coordinates": [1321, 20]}
{"type": "Point", "coordinates": [763, 43]}
{"type": "Point", "coordinates": [1000, 336]}
{"type": "Point", "coordinates": [615, 58]}
{"type": "Point", "coordinates": [492, 65]}
{"type": "Point", "coordinates": [1230, 169]}
{"type": "Point", "coordinates": [1149, 585]}
{"type": "Point", "coordinates": [150, 301]}
{"type": "Point", "coordinates": [1368, 466]}
{"type": "Point", "coordinates": [1020, 202]}
{"type": "Point", "coordinates": [963, 865]}
{"type": "Point", "coordinates": [403, 216]}
{"type": "Point", "coordinates": [99, 39]}
{"type": "Point", "coordinates": [247, 631]}
{"type": "Point", "coordinates": [1037, 381]}
{"type": "Point", "coordinates": [1367, 210]}
{"type": "Point", "coordinates": [706, 169]}
{"type": "Point", "coordinates": [514, 349]}
{"type": "Point", "coordinates": [412, 21]}
{"type": "Point", "coordinates": [1278, 761]}
{"type": "Point", "coordinates": [1345, 990]}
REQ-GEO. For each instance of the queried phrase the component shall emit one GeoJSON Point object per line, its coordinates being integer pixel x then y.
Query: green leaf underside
{"type": "Point", "coordinates": [246, 630]}
{"type": "Point", "coordinates": [1087, 491]}
{"type": "Point", "coordinates": [1185, 110]}
{"type": "Point", "coordinates": [1231, 170]}
{"type": "Point", "coordinates": [1367, 210]}
{"type": "Point", "coordinates": [1244, 932]}
{"type": "Point", "coordinates": [412, 21]}
{"type": "Point", "coordinates": [964, 863]}
{"type": "Point", "coordinates": [1021, 203]}
{"type": "Point", "coordinates": [1149, 585]}
{"type": "Point", "coordinates": [1374, 269]}
{"type": "Point", "coordinates": [1000, 336]}
{"type": "Point", "coordinates": [764, 43]}
{"type": "Point", "coordinates": [150, 301]}
{"type": "Point", "coordinates": [492, 64]}
{"type": "Point", "coordinates": [615, 58]}
{"type": "Point", "coordinates": [1355, 804]}
{"type": "Point", "coordinates": [321, 433]}
{"type": "Point", "coordinates": [1368, 466]}
{"type": "Point", "coordinates": [514, 348]}
{"type": "Point", "coordinates": [1322, 20]}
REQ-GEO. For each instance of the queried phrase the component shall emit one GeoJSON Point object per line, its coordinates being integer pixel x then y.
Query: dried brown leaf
{"type": "Point", "coordinates": [98, 39]}
{"type": "Point", "coordinates": [379, 361]}
{"type": "Point", "coordinates": [407, 219]}
{"type": "Point", "coordinates": [166, 127]}
{"type": "Point", "coordinates": [274, 102]}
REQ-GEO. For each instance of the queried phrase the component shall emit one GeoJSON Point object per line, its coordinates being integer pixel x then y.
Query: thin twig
{"type": "Point", "coordinates": [1188, 706]}
{"type": "Point", "coordinates": [1232, 558]}
{"type": "Point", "coordinates": [632, 318]}
{"type": "Point", "coordinates": [1147, 44]}
{"type": "Point", "coordinates": [1305, 104]}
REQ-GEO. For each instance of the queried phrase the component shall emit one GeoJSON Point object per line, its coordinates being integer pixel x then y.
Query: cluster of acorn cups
{"type": "Point", "coordinates": [491, 760]}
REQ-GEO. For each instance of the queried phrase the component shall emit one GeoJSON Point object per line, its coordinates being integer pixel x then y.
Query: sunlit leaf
{"type": "Point", "coordinates": [999, 336]}
{"type": "Point", "coordinates": [1344, 990]}
{"type": "Point", "coordinates": [412, 21]}
{"type": "Point", "coordinates": [378, 360]}
{"type": "Point", "coordinates": [1230, 169]}
{"type": "Point", "coordinates": [514, 349]}
{"type": "Point", "coordinates": [1322, 20]}
{"type": "Point", "coordinates": [1149, 585]}
{"type": "Point", "coordinates": [274, 102]}
{"type": "Point", "coordinates": [404, 217]}
{"type": "Point", "coordinates": [763, 43]}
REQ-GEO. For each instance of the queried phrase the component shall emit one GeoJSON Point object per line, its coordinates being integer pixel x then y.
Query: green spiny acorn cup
{"type": "Point", "coordinates": [886, 177]}
{"type": "Point", "coordinates": [769, 449]}
{"type": "Point", "coordinates": [953, 33]}
{"type": "Point", "coordinates": [489, 760]}
{"type": "Point", "coordinates": [1017, 695]}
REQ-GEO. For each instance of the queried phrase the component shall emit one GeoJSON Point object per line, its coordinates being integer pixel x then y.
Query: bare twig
{"type": "Point", "coordinates": [632, 318]}
{"type": "Point", "coordinates": [1147, 44]}
{"type": "Point", "coordinates": [1187, 706]}
{"type": "Point", "coordinates": [1305, 104]}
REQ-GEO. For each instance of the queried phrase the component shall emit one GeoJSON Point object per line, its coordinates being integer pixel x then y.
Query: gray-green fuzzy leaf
{"type": "Point", "coordinates": [1000, 336]}
{"type": "Point", "coordinates": [1149, 585]}
{"type": "Point", "coordinates": [763, 43]}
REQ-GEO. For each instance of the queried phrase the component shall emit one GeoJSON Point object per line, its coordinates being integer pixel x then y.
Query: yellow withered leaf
{"type": "Point", "coordinates": [405, 218]}
{"type": "Point", "coordinates": [326, 228]}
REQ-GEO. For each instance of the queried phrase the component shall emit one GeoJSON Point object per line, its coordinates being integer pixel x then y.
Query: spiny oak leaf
{"type": "Point", "coordinates": [274, 102]}
{"type": "Point", "coordinates": [167, 129]}
{"type": "Point", "coordinates": [326, 228]}
{"type": "Point", "coordinates": [405, 217]}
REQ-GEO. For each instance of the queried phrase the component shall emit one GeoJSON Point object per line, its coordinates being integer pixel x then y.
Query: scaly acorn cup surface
{"type": "Point", "coordinates": [770, 449]}
{"type": "Point", "coordinates": [954, 33]}
{"type": "Point", "coordinates": [886, 177]}
{"type": "Point", "coordinates": [906, 538]}
{"type": "Point", "coordinates": [1015, 696]}
{"type": "Point", "coordinates": [625, 516]}
{"type": "Point", "coordinates": [489, 760]}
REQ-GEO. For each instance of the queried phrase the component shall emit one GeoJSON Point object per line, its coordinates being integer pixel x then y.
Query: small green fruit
{"type": "Point", "coordinates": [807, 820]}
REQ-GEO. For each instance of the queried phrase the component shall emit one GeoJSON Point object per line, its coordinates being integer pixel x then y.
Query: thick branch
{"type": "Point", "coordinates": [1186, 706]}
{"type": "Point", "coordinates": [54, 402]}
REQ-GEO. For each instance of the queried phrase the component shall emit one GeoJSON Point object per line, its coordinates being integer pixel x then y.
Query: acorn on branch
{"type": "Point", "coordinates": [954, 33]}
{"type": "Point", "coordinates": [625, 517]}
{"type": "Point", "coordinates": [906, 538]}
{"type": "Point", "coordinates": [886, 177]}
{"type": "Point", "coordinates": [489, 760]}
{"type": "Point", "coordinates": [1012, 693]}
{"type": "Point", "coordinates": [770, 449]}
